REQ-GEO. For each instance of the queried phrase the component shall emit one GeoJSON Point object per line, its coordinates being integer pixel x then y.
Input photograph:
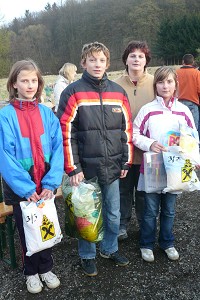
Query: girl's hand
{"type": "Point", "coordinates": [46, 194]}
{"type": "Point", "coordinates": [157, 147]}
{"type": "Point", "coordinates": [34, 197]}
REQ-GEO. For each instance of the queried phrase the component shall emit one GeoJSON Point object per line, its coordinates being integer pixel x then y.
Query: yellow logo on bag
{"type": "Point", "coordinates": [47, 229]}
{"type": "Point", "coordinates": [186, 173]}
{"type": "Point", "coordinates": [69, 202]}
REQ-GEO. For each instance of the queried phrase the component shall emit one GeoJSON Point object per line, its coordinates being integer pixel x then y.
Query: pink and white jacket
{"type": "Point", "coordinates": [156, 122]}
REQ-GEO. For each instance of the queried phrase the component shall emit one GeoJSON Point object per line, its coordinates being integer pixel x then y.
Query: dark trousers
{"type": "Point", "coordinates": [129, 196]}
{"type": "Point", "coordinates": [40, 262]}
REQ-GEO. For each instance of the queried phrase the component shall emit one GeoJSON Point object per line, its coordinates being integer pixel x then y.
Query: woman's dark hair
{"type": "Point", "coordinates": [142, 45]}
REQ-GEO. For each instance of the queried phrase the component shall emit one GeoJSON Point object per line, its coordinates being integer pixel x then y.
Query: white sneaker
{"type": "Point", "coordinates": [147, 254]}
{"type": "Point", "coordinates": [33, 283]}
{"type": "Point", "coordinates": [172, 253]}
{"type": "Point", "coordinates": [50, 279]}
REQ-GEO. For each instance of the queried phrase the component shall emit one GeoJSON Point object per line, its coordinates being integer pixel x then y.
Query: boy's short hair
{"type": "Point", "coordinates": [89, 49]}
{"type": "Point", "coordinates": [188, 59]}
{"type": "Point", "coordinates": [141, 45]}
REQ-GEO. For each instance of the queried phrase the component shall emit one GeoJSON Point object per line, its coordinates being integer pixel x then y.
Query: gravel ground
{"type": "Point", "coordinates": [162, 279]}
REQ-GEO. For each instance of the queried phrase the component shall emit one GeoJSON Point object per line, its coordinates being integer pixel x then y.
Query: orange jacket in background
{"type": "Point", "coordinates": [189, 84]}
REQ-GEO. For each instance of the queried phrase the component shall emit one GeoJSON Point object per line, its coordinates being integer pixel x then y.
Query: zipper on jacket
{"type": "Point", "coordinates": [104, 132]}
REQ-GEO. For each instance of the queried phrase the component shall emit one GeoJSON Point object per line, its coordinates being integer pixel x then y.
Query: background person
{"type": "Point", "coordinates": [31, 143]}
{"type": "Point", "coordinates": [189, 86]}
{"type": "Point", "coordinates": [138, 84]}
{"type": "Point", "coordinates": [66, 76]}
{"type": "Point", "coordinates": [96, 123]}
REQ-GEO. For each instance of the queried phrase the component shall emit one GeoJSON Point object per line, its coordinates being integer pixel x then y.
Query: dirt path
{"type": "Point", "coordinates": [163, 279]}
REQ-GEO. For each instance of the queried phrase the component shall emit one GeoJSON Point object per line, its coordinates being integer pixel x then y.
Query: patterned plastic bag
{"type": "Point", "coordinates": [83, 210]}
{"type": "Point", "coordinates": [181, 175]}
{"type": "Point", "coordinates": [41, 226]}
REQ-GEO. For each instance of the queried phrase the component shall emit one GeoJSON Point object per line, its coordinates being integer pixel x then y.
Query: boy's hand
{"type": "Point", "coordinates": [123, 173]}
{"type": "Point", "coordinates": [76, 179]}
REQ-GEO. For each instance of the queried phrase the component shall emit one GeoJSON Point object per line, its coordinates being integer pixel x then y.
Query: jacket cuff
{"type": "Point", "coordinates": [126, 167]}
{"type": "Point", "coordinates": [76, 171]}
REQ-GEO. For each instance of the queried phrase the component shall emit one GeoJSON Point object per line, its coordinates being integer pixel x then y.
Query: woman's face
{"type": "Point", "coordinates": [136, 60]}
{"type": "Point", "coordinates": [166, 88]}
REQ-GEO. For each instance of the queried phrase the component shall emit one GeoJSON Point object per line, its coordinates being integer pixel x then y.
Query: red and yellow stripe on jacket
{"type": "Point", "coordinates": [97, 130]}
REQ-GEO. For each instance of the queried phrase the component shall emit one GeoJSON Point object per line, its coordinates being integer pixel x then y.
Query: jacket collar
{"type": "Point", "coordinates": [24, 104]}
{"type": "Point", "coordinates": [172, 102]}
{"type": "Point", "coordinates": [187, 67]}
{"type": "Point", "coordinates": [98, 84]}
{"type": "Point", "coordinates": [61, 78]}
{"type": "Point", "coordinates": [141, 79]}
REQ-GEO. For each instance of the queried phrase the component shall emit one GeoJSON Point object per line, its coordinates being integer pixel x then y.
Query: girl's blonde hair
{"type": "Point", "coordinates": [27, 65]}
{"type": "Point", "coordinates": [161, 74]}
{"type": "Point", "coordinates": [67, 71]}
{"type": "Point", "coordinates": [89, 49]}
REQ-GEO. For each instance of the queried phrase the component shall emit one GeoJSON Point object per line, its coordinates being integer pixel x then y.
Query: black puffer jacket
{"type": "Point", "coordinates": [97, 129]}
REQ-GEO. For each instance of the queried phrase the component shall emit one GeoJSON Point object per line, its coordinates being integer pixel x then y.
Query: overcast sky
{"type": "Point", "coordinates": [9, 9]}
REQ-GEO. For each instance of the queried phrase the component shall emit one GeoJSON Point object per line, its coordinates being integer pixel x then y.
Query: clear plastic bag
{"type": "Point", "coordinates": [83, 210]}
{"type": "Point", "coordinates": [155, 177]}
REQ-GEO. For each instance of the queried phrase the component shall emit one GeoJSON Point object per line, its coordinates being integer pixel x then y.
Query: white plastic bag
{"type": "Point", "coordinates": [180, 172]}
{"type": "Point", "coordinates": [41, 226]}
{"type": "Point", "coordinates": [189, 143]}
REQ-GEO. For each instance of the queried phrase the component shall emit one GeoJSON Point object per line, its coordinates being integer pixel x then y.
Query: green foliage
{"type": "Point", "coordinates": [4, 52]}
{"type": "Point", "coordinates": [197, 60]}
{"type": "Point", "coordinates": [177, 37]}
{"type": "Point", "coordinates": [57, 33]}
{"type": "Point", "coordinates": [145, 18]}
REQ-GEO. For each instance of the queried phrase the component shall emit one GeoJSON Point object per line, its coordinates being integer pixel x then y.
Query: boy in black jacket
{"type": "Point", "coordinates": [96, 123]}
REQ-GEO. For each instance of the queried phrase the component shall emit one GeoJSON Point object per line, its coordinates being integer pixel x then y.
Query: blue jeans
{"type": "Point", "coordinates": [194, 110]}
{"type": "Point", "coordinates": [129, 195]}
{"type": "Point", "coordinates": [111, 221]}
{"type": "Point", "coordinates": [153, 203]}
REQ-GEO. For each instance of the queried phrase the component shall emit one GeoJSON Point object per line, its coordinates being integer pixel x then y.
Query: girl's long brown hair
{"type": "Point", "coordinates": [28, 65]}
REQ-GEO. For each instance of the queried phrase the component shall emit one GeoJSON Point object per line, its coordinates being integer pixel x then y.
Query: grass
{"type": "Point", "coordinates": [50, 80]}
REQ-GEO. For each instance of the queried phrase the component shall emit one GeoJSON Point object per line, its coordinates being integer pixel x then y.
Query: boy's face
{"type": "Point", "coordinates": [26, 84]}
{"type": "Point", "coordinates": [96, 64]}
